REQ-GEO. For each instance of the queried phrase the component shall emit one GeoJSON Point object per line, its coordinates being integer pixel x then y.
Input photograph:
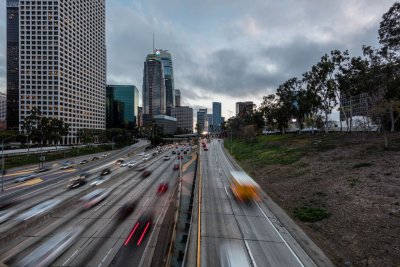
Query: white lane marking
{"type": "Point", "coordinates": [105, 257]}
{"type": "Point", "coordinates": [144, 204]}
{"type": "Point", "coordinates": [73, 254]}
{"type": "Point", "coordinates": [251, 255]}
{"type": "Point", "coordinates": [265, 215]}
{"type": "Point", "coordinates": [226, 191]}
{"type": "Point", "coordinates": [99, 207]}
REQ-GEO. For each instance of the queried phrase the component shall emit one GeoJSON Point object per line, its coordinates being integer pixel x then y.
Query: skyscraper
{"type": "Point", "coordinates": [216, 116]}
{"type": "Point", "coordinates": [209, 127]}
{"type": "Point", "coordinates": [168, 69]}
{"type": "Point", "coordinates": [177, 98]}
{"type": "Point", "coordinates": [12, 64]}
{"type": "Point", "coordinates": [128, 95]}
{"type": "Point", "coordinates": [201, 120]}
{"type": "Point", "coordinates": [184, 116]}
{"type": "Point", "coordinates": [154, 99]}
{"type": "Point", "coordinates": [63, 62]}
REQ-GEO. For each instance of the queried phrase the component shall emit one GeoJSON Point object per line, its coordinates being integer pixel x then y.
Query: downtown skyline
{"type": "Point", "coordinates": [212, 61]}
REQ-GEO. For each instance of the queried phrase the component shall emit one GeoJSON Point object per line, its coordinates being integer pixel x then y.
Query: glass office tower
{"type": "Point", "coordinates": [122, 106]}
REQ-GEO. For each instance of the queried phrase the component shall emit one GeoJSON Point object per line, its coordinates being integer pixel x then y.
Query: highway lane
{"type": "Point", "coordinates": [59, 190]}
{"type": "Point", "coordinates": [225, 222]}
{"type": "Point", "coordinates": [102, 235]}
{"type": "Point", "coordinates": [56, 176]}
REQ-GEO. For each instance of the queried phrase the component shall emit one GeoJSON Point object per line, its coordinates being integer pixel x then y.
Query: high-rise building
{"type": "Point", "coordinates": [168, 69]}
{"type": "Point", "coordinates": [12, 64]}
{"type": "Point", "coordinates": [209, 125]}
{"type": "Point", "coordinates": [128, 95]}
{"type": "Point", "coordinates": [140, 117]}
{"type": "Point", "coordinates": [167, 124]}
{"type": "Point", "coordinates": [177, 98]}
{"type": "Point", "coordinates": [184, 116]}
{"type": "Point", "coordinates": [62, 65]}
{"type": "Point", "coordinates": [216, 116]}
{"type": "Point", "coordinates": [201, 120]}
{"type": "Point", "coordinates": [243, 108]}
{"type": "Point", "coordinates": [154, 99]}
{"type": "Point", "coordinates": [3, 110]}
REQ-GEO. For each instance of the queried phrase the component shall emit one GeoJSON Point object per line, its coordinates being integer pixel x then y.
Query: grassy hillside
{"type": "Point", "coordinates": [342, 189]}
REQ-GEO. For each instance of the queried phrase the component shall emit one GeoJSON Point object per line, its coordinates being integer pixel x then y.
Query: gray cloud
{"type": "Point", "coordinates": [228, 48]}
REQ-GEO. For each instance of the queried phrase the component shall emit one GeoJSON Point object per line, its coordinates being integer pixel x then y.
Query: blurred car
{"type": "Point", "coordinates": [154, 154]}
{"type": "Point", "coordinates": [173, 152]}
{"type": "Point", "coordinates": [8, 203]}
{"type": "Point", "coordinates": [43, 169]}
{"type": "Point", "coordinates": [132, 163]}
{"type": "Point", "coordinates": [99, 180]}
{"type": "Point", "coordinates": [139, 229]}
{"type": "Point", "coordinates": [105, 171]}
{"type": "Point", "coordinates": [49, 251]}
{"type": "Point", "coordinates": [184, 152]}
{"type": "Point", "coordinates": [105, 155]}
{"type": "Point", "coordinates": [39, 209]}
{"type": "Point", "coordinates": [146, 157]}
{"type": "Point", "coordinates": [141, 167]}
{"type": "Point", "coordinates": [180, 157]}
{"type": "Point", "coordinates": [6, 214]}
{"type": "Point", "coordinates": [126, 210]}
{"type": "Point", "coordinates": [232, 255]}
{"type": "Point", "coordinates": [146, 173]}
{"type": "Point", "coordinates": [119, 162]}
{"type": "Point", "coordinates": [206, 149]}
{"type": "Point", "coordinates": [166, 157]}
{"type": "Point", "coordinates": [176, 166]}
{"type": "Point", "coordinates": [67, 165]}
{"type": "Point", "coordinates": [95, 158]}
{"type": "Point", "coordinates": [94, 198]}
{"type": "Point", "coordinates": [162, 188]}
{"type": "Point", "coordinates": [125, 164]}
{"type": "Point", "coordinates": [75, 183]}
{"type": "Point", "coordinates": [84, 161]}
{"type": "Point", "coordinates": [141, 154]}
{"type": "Point", "coordinates": [24, 178]}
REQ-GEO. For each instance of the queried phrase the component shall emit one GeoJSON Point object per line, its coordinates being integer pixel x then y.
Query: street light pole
{"type": "Point", "coordinates": [231, 140]}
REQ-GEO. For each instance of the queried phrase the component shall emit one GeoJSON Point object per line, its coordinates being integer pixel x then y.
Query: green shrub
{"type": "Point", "coordinates": [307, 214]}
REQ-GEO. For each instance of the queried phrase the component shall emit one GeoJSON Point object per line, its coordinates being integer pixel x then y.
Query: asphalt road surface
{"type": "Point", "coordinates": [240, 231]}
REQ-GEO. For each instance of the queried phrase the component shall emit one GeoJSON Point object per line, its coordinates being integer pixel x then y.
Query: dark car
{"type": "Point", "coordinates": [146, 174]}
{"type": "Point", "coordinates": [77, 183]}
{"type": "Point", "coordinates": [176, 166]}
{"type": "Point", "coordinates": [105, 172]}
{"type": "Point", "coordinates": [184, 152]}
{"type": "Point", "coordinates": [95, 158]}
{"type": "Point", "coordinates": [139, 229]}
{"type": "Point", "coordinates": [173, 152]}
{"type": "Point", "coordinates": [205, 149]}
{"type": "Point", "coordinates": [126, 210]}
{"type": "Point", "coordinates": [162, 188]}
{"type": "Point", "coordinates": [43, 169]}
{"type": "Point", "coordinates": [180, 157]}
{"type": "Point", "coordinates": [84, 161]}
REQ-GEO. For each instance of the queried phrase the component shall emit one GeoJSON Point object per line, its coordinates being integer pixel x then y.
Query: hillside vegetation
{"type": "Point", "coordinates": [342, 189]}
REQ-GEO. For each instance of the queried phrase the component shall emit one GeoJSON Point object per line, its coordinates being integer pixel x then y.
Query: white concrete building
{"type": "Point", "coordinates": [63, 61]}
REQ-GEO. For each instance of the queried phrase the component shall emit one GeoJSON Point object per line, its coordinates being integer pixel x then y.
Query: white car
{"type": "Point", "coordinates": [141, 154]}
{"type": "Point", "coordinates": [94, 197]}
{"type": "Point", "coordinates": [39, 209]}
{"type": "Point", "coordinates": [125, 164]}
{"type": "Point", "coordinates": [146, 157]}
{"type": "Point", "coordinates": [132, 163]}
{"type": "Point", "coordinates": [100, 180]}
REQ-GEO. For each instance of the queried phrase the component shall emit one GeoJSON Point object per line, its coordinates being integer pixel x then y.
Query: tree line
{"type": "Point", "coordinates": [310, 99]}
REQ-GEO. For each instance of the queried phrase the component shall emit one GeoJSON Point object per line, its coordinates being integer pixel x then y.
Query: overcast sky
{"type": "Point", "coordinates": [229, 50]}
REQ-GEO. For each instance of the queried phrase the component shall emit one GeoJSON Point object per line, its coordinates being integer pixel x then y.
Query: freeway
{"type": "Point", "coordinates": [245, 232]}
{"type": "Point", "coordinates": [74, 233]}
